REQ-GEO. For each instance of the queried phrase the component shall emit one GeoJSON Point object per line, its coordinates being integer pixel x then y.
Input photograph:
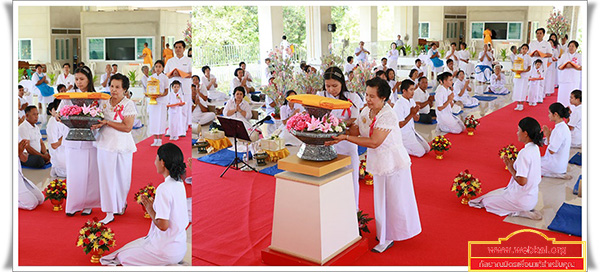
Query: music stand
{"type": "Point", "coordinates": [236, 129]}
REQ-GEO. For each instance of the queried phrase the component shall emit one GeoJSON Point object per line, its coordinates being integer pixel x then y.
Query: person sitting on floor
{"type": "Point", "coordinates": [28, 130]}
{"type": "Point", "coordinates": [57, 132]}
{"type": "Point", "coordinates": [200, 113]}
{"type": "Point", "coordinates": [238, 108]}
{"type": "Point", "coordinates": [406, 110]}
{"type": "Point", "coordinates": [30, 196]}
{"type": "Point", "coordinates": [165, 243]}
{"type": "Point", "coordinates": [556, 159]}
{"type": "Point", "coordinates": [521, 195]}
{"type": "Point", "coordinates": [461, 91]}
{"type": "Point", "coordinates": [425, 102]}
{"type": "Point", "coordinates": [288, 110]}
{"type": "Point", "coordinates": [444, 100]}
{"type": "Point", "coordinates": [497, 82]}
{"type": "Point", "coordinates": [574, 121]}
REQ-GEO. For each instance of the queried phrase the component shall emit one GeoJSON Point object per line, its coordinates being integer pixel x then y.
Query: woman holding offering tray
{"type": "Point", "coordinates": [396, 213]}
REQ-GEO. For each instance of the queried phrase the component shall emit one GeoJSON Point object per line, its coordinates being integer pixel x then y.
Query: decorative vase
{"type": "Point", "coordinates": [470, 131]}
{"type": "Point", "coordinates": [465, 199]}
{"type": "Point", "coordinates": [439, 154]}
{"type": "Point", "coordinates": [57, 204]}
{"type": "Point", "coordinates": [96, 255]}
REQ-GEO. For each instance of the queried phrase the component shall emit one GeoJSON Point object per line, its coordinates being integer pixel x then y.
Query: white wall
{"type": "Point", "coordinates": [435, 16]}
{"type": "Point", "coordinates": [34, 23]}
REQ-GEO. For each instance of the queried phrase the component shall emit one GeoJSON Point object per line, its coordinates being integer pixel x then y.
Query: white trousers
{"type": "Point", "coordinates": [396, 212]}
{"type": "Point", "coordinates": [447, 122]}
{"type": "Point", "coordinates": [350, 149]}
{"type": "Point", "coordinates": [30, 195]}
{"type": "Point", "coordinates": [498, 89]}
{"type": "Point", "coordinates": [157, 119]}
{"type": "Point", "coordinates": [115, 179]}
{"type": "Point", "coordinates": [83, 189]}
{"type": "Point", "coordinates": [136, 253]}
{"type": "Point", "coordinates": [415, 144]}
{"type": "Point", "coordinates": [202, 118]}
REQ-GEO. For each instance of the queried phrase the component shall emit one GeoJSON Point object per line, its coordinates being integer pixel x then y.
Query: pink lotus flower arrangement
{"type": "Point", "coordinates": [86, 110]}
{"type": "Point", "coordinates": [326, 124]}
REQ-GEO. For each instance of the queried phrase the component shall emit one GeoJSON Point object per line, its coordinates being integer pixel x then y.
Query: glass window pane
{"type": "Point", "coordinates": [140, 46]}
{"type": "Point", "coordinates": [96, 49]}
{"type": "Point", "coordinates": [424, 30]}
{"type": "Point", "coordinates": [57, 49]}
{"type": "Point", "coordinates": [62, 49]}
{"type": "Point", "coordinates": [514, 31]}
{"type": "Point", "coordinates": [120, 49]}
{"type": "Point", "coordinates": [25, 49]}
{"type": "Point", "coordinates": [476, 30]}
{"type": "Point", "coordinates": [67, 49]}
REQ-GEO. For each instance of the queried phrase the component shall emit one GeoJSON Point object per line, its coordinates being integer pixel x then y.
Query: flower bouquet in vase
{"type": "Point", "coordinates": [471, 123]}
{"type": "Point", "coordinates": [439, 145]}
{"type": "Point", "coordinates": [82, 114]}
{"type": "Point", "coordinates": [56, 191]}
{"type": "Point", "coordinates": [149, 191]}
{"type": "Point", "coordinates": [96, 238]}
{"type": "Point", "coordinates": [316, 126]}
{"type": "Point", "coordinates": [510, 151]}
{"type": "Point", "coordinates": [363, 174]}
{"type": "Point", "coordinates": [466, 186]}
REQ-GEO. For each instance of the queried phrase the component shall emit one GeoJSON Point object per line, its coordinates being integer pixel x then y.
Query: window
{"type": "Point", "coordinates": [57, 49]}
{"type": "Point", "coordinates": [170, 41]}
{"type": "Point", "coordinates": [534, 26]}
{"type": "Point", "coordinates": [120, 48]}
{"type": "Point", "coordinates": [451, 30]}
{"type": "Point", "coordinates": [500, 30]}
{"type": "Point", "coordinates": [61, 49]}
{"type": "Point", "coordinates": [139, 45]}
{"type": "Point", "coordinates": [25, 49]}
{"type": "Point", "coordinates": [96, 49]}
{"type": "Point", "coordinates": [67, 48]}
{"type": "Point", "coordinates": [424, 30]}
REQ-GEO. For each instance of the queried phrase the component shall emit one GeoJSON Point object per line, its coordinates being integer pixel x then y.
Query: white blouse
{"type": "Point", "coordinates": [498, 81]}
{"type": "Point", "coordinates": [111, 139]}
{"type": "Point", "coordinates": [286, 112]}
{"type": "Point", "coordinates": [238, 115]}
{"type": "Point", "coordinates": [569, 74]}
{"type": "Point", "coordinates": [527, 165]}
{"type": "Point", "coordinates": [390, 156]}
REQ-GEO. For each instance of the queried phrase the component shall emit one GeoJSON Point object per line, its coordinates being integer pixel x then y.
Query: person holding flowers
{"type": "Point", "coordinates": [335, 87]}
{"type": "Point", "coordinates": [81, 158]}
{"type": "Point", "coordinates": [521, 195]}
{"type": "Point", "coordinates": [166, 240]}
{"type": "Point", "coordinates": [396, 213]}
{"type": "Point", "coordinates": [444, 100]}
{"type": "Point", "coordinates": [115, 148]}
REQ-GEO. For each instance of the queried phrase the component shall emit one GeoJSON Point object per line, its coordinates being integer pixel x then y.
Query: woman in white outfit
{"type": "Point", "coordinates": [444, 100]}
{"type": "Point", "coordinates": [463, 60]}
{"type": "Point", "coordinates": [238, 108]}
{"type": "Point", "coordinates": [200, 113]}
{"type": "Point", "coordinates": [210, 83]}
{"type": "Point", "coordinates": [497, 82]}
{"type": "Point", "coordinates": [556, 159]}
{"type": "Point", "coordinates": [81, 159]}
{"type": "Point", "coordinates": [335, 87]}
{"type": "Point", "coordinates": [157, 114]}
{"type": "Point", "coordinates": [569, 76]}
{"type": "Point", "coordinates": [29, 194]}
{"type": "Point", "coordinates": [521, 195]}
{"type": "Point", "coordinates": [407, 111]}
{"type": "Point", "coordinates": [57, 132]}
{"type": "Point", "coordinates": [289, 109]}
{"type": "Point", "coordinates": [521, 85]}
{"type": "Point", "coordinates": [115, 148]}
{"type": "Point", "coordinates": [392, 56]}
{"type": "Point", "coordinates": [396, 213]}
{"type": "Point", "coordinates": [575, 118]}
{"type": "Point", "coordinates": [461, 90]}
{"type": "Point", "coordinates": [551, 70]}
{"type": "Point", "coordinates": [165, 243]}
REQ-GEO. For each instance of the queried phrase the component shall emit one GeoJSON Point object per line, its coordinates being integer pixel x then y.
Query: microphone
{"type": "Point", "coordinates": [267, 118]}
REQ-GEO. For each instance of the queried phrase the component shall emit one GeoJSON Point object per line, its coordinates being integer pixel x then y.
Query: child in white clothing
{"type": "Point", "coordinates": [157, 114]}
{"type": "Point", "coordinates": [497, 82]}
{"type": "Point", "coordinates": [175, 105]}
{"type": "Point", "coordinates": [461, 91]}
{"type": "Point", "coordinates": [444, 100]}
{"type": "Point", "coordinates": [520, 84]}
{"type": "Point", "coordinates": [574, 121]}
{"type": "Point", "coordinates": [536, 91]}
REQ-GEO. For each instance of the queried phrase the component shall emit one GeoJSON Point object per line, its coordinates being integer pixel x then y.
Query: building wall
{"type": "Point", "coordinates": [435, 16]}
{"type": "Point", "coordinates": [540, 15]}
{"type": "Point", "coordinates": [65, 17]}
{"type": "Point", "coordinates": [34, 24]}
{"type": "Point", "coordinates": [500, 14]}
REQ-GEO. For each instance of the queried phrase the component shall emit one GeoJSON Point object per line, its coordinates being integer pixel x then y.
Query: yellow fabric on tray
{"type": "Point", "coordinates": [219, 144]}
{"type": "Point", "coordinates": [319, 101]}
{"type": "Point", "coordinates": [277, 155]}
{"type": "Point", "coordinates": [91, 95]}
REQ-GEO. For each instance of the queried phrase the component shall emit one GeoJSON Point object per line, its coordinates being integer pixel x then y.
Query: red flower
{"type": "Point", "coordinates": [101, 242]}
{"type": "Point", "coordinates": [86, 241]}
{"type": "Point", "coordinates": [87, 232]}
{"type": "Point", "coordinates": [98, 234]}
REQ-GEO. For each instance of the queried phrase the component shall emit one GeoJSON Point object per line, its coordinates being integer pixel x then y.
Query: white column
{"type": "Point", "coordinates": [270, 29]}
{"type": "Point", "coordinates": [368, 24]}
{"type": "Point", "coordinates": [317, 36]}
{"type": "Point", "coordinates": [406, 22]}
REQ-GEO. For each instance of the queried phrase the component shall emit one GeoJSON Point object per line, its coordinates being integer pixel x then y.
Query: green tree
{"type": "Point", "coordinates": [225, 25]}
{"type": "Point", "coordinates": [346, 20]}
{"type": "Point", "coordinates": [294, 24]}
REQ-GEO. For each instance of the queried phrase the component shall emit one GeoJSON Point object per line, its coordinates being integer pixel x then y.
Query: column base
{"type": "Point", "coordinates": [344, 258]}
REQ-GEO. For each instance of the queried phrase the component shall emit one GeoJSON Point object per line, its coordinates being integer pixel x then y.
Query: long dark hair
{"type": "Point", "coordinates": [288, 93]}
{"type": "Point", "coordinates": [88, 74]}
{"type": "Point", "coordinates": [533, 129]}
{"type": "Point", "coordinates": [172, 156]}
{"type": "Point", "coordinates": [561, 110]}
{"type": "Point", "coordinates": [336, 73]}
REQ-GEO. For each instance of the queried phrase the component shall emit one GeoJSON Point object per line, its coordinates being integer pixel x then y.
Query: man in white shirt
{"type": "Point", "coordinates": [541, 46]}
{"type": "Point", "coordinates": [383, 66]}
{"type": "Point", "coordinates": [424, 101]}
{"type": "Point", "coordinates": [349, 66]}
{"type": "Point", "coordinates": [66, 78]}
{"type": "Point", "coordinates": [38, 154]}
{"type": "Point", "coordinates": [361, 53]}
{"type": "Point", "coordinates": [418, 64]}
{"type": "Point", "coordinates": [400, 45]}
{"type": "Point", "coordinates": [105, 78]}
{"type": "Point", "coordinates": [184, 64]}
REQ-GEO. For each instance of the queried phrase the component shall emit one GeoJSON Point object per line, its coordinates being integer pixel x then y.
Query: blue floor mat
{"type": "Point", "coordinates": [576, 187]}
{"type": "Point", "coordinates": [470, 107]}
{"type": "Point", "coordinates": [485, 98]}
{"type": "Point", "coordinates": [43, 131]}
{"type": "Point", "coordinates": [361, 150]}
{"type": "Point", "coordinates": [222, 157]}
{"type": "Point", "coordinates": [44, 167]}
{"type": "Point", "coordinates": [271, 171]}
{"type": "Point", "coordinates": [488, 92]}
{"type": "Point", "coordinates": [567, 220]}
{"type": "Point", "coordinates": [576, 159]}
{"type": "Point", "coordinates": [433, 122]}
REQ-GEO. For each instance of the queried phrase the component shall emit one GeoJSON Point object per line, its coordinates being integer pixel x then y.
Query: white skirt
{"type": "Point", "coordinates": [350, 149]}
{"type": "Point", "coordinates": [520, 88]}
{"type": "Point", "coordinates": [202, 118]}
{"type": "Point", "coordinates": [564, 92]}
{"type": "Point", "coordinates": [177, 122]}
{"type": "Point", "coordinates": [498, 89]}
{"type": "Point", "coordinates": [115, 179]}
{"type": "Point", "coordinates": [447, 122]}
{"type": "Point", "coordinates": [536, 91]}
{"type": "Point", "coordinates": [157, 119]}
{"type": "Point", "coordinates": [415, 144]}
{"type": "Point", "coordinates": [137, 253]}
{"type": "Point", "coordinates": [500, 202]}
{"type": "Point", "coordinates": [83, 188]}
{"type": "Point", "coordinates": [396, 212]}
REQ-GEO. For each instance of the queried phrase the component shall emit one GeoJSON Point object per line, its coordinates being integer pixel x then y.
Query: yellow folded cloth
{"type": "Point", "coordinates": [90, 95]}
{"type": "Point", "coordinates": [277, 155]}
{"type": "Point", "coordinates": [319, 101]}
{"type": "Point", "coordinates": [219, 144]}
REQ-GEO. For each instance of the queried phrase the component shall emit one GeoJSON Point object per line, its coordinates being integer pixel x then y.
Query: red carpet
{"type": "Point", "coordinates": [233, 215]}
{"type": "Point", "coordinates": [49, 238]}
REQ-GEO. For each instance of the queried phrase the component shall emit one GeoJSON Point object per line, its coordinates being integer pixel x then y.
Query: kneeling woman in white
{"type": "Point", "coordinates": [575, 118]}
{"type": "Point", "coordinates": [461, 91]}
{"type": "Point", "coordinates": [157, 114]}
{"type": "Point", "coordinates": [407, 112]}
{"type": "Point", "coordinates": [497, 82]}
{"type": "Point", "coordinates": [115, 148]}
{"type": "Point", "coordinates": [396, 213]}
{"type": "Point", "coordinates": [166, 241]}
{"type": "Point", "coordinates": [335, 87]}
{"type": "Point", "coordinates": [521, 195]}
{"type": "Point", "coordinates": [30, 195]}
{"type": "Point", "coordinates": [81, 159]}
{"type": "Point", "coordinates": [444, 100]}
{"type": "Point", "coordinates": [556, 159]}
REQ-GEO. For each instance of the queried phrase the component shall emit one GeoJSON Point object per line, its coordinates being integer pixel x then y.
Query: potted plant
{"type": "Point", "coordinates": [363, 220]}
{"type": "Point", "coordinates": [503, 54]}
{"type": "Point", "coordinates": [471, 123]}
{"type": "Point", "coordinates": [56, 191]}
{"type": "Point", "coordinates": [439, 145]}
{"type": "Point", "coordinates": [132, 75]}
{"type": "Point", "coordinates": [466, 186]}
{"type": "Point", "coordinates": [96, 238]}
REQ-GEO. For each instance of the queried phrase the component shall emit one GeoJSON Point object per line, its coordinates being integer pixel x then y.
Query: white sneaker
{"type": "Point", "coordinates": [159, 142]}
{"type": "Point", "coordinates": [383, 246]}
{"type": "Point", "coordinates": [174, 138]}
{"type": "Point", "coordinates": [154, 143]}
{"type": "Point", "coordinates": [518, 107]}
{"type": "Point", "coordinates": [521, 107]}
